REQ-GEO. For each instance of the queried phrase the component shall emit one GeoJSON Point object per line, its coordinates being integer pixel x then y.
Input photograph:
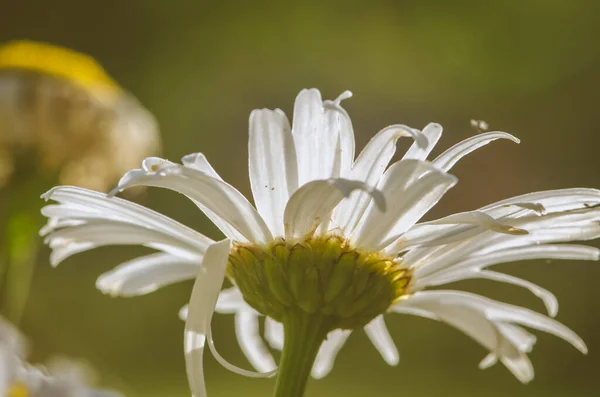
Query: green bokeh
{"type": "Point", "coordinates": [527, 67]}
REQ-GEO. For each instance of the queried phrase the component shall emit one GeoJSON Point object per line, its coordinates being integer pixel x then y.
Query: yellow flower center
{"type": "Point", "coordinates": [324, 276]}
{"type": "Point", "coordinates": [18, 389]}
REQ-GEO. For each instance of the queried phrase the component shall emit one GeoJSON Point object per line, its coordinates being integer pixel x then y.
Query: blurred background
{"type": "Point", "coordinates": [530, 68]}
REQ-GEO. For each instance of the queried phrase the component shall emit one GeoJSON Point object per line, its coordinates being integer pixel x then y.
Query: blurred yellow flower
{"type": "Point", "coordinates": [61, 112]}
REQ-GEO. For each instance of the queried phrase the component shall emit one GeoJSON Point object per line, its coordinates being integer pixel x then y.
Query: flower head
{"type": "Point", "coordinates": [61, 106]}
{"type": "Point", "coordinates": [20, 379]}
{"type": "Point", "coordinates": [333, 243]}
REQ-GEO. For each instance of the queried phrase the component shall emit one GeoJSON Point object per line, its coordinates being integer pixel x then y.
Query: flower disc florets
{"type": "Point", "coordinates": [318, 275]}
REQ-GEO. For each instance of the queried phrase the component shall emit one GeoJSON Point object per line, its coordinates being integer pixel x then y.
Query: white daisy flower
{"type": "Point", "coordinates": [20, 379]}
{"type": "Point", "coordinates": [332, 244]}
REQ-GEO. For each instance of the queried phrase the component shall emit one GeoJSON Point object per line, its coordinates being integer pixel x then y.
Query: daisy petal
{"type": "Point", "coordinates": [201, 307]}
{"type": "Point", "coordinates": [520, 367]}
{"type": "Point", "coordinates": [433, 132]}
{"type": "Point", "coordinates": [369, 167]}
{"type": "Point", "coordinates": [221, 198]}
{"type": "Point", "coordinates": [274, 333]}
{"type": "Point", "coordinates": [272, 165]}
{"type": "Point", "coordinates": [247, 332]}
{"type": "Point", "coordinates": [328, 352]}
{"type": "Point", "coordinates": [83, 204]}
{"type": "Point", "coordinates": [314, 202]}
{"type": "Point", "coordinates": [411, 188]}
{"type": "Point", "coordinates": [380, 337]}
{"type": "Point", "coordinates": [446, 160]}
{"type": "Point", "coordinates": [314, 141]}
{"type": "Point", "coordinates": [503, 312]}
{"type": "Point", "coordinates": [543, 251]}
{"type": "Point", "coordinates": [340, 123]}
{"type": "Point", "coordinates": [146, 274]}
{"type": "Point", "coordinates": [199, 162]}
{"type": "Point", "coordinates": [450, 229]}
{"type": "Point", "coordinates": [119, 233]}
{"type": "Point", "coordinates": [546, 296]}
{"type": "Point", "coordinates": [545, 201]}
{"type": "Point", "coordinates": [230, 301]}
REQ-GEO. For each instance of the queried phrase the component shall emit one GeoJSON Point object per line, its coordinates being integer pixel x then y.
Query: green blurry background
{"type": "Point", "coordinates": [527, 67]}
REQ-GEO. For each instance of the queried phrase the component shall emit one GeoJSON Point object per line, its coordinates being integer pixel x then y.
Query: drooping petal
{"type": "Point", "coordinates": [201, 307]}
{"type": "Point", "coordinates": [369, 167]}
{"type": "Point", "coordinates": [272, 165]}
{"type": "Point", "coordinates": [146, 274]}
{"type": "Point", "coordinates": [505, 341]}
{"type": "Point", "coordinates": [433, 132]}
{"type": "Point", "coordinates": [546, 296]}
{"type": "Point", "coordinates": [199, 162]}
{"type": "Point", "coordinates": [313, 203]}
{"type": "Point", "coordinates": [446, 160]}
{"type": "Point", "coordinates": [221, 198]}
{"type": "Point", "coordinates": [411, 188]}
{"type": "Point", "coordinates": [502, 312]}
{"type": "Point", "coordinates": [274, 333]}
{"type": "Point", "coordinates": [83, 204]}
{"type": "Point", "coordinates": [380, 337]}
{"type": "Point", "coordinates": [328, 352]}
{"type": "Point", "coordinates": [230, 301]}
{"type": "Point", "coordinates": [248, 335]}
{"type": "Point", "coordinates": [120, 233]}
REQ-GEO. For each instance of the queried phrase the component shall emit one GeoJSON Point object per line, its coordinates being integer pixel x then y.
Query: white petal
{"type": "Point", "coordinates": [546, 201]}
{"type": "Point", "coordinates": [119, 233]}
{"type": "Point", "coordinates": [83, 204]}
{"type": "Point", "coordinates": [274, 333]}
{"type": "Point", "coordinates": [328, 352]}
{"type": "Point", "coordinates": [541, 231]}
{"type": "Point", "coordinates": [221, 198]}
{"type": "Point", "coordinates": [314, 141]}
{"type": "Point", "coordinates": [469, 319]}
{"type": "Point", "coordinates": [519, 336]}
{"type": "Point", "coordinates": [248, 335]}
{"type": "Point", "coordinates": [411, 188]}
{"type": "Point", "coordinates": [202, 305]}
{"type": "Point", "coordinates": [546, 296]}
{"type": "Point", "coordinates": [199, 162]}
{"type": "Point", "coordinates": [272, 165]}
{"type": "Point", "coordinates": [230, 301]}
{"type": "Point", "coordinates": [369, 167]}
{"type": "Point", "coordinates": [531, 319]}
{"type": "Point", "coordinates": [380, 337]}
{"type": "Point", "coordinates": [446, 160]}
{"type": "Point", "coordinates": [146, 274]}
{"type": "Point", "coordinates": [450, 229]}
{"type": "Point", "coordinates": [340, 123]}
{"type": "Point", "coordinates": [183, 312]}
{"type": "Point", "coordinates": [544, 251]}
{"type": "Point", "coordinates": [520, 367]}
{"type": "Point", "coordinates": [433, 132]}
{"type": "Point", "coordinates": [66, 250]}
{"type": "Point", "coordinates": [313, 203]}
{"type": "Point", "coordinates": [478, 218]}
{"type": "Point", "coordinates": [488, 361]}
{"type": "Point", "coordinates": [503, 312]}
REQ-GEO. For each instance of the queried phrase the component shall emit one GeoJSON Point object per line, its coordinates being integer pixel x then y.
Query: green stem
{"type": "Point", "coordinates": [304, 333]}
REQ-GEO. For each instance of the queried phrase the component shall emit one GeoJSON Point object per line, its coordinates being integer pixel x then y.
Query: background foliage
{"type": "Point", "coordinates": [526, 67]}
